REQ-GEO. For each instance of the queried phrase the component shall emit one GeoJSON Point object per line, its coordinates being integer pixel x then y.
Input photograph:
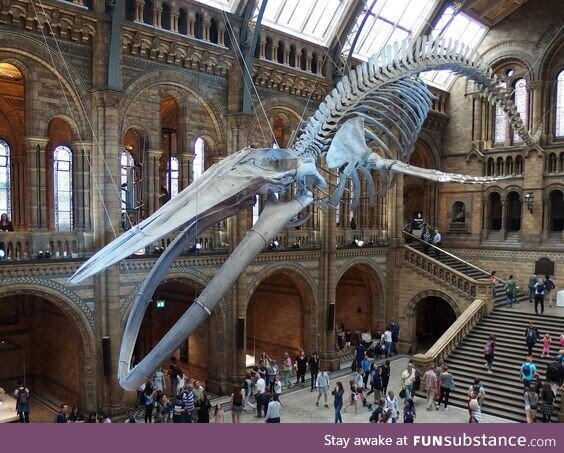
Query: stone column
{"type": "Point", "coordinates": [308, 60]}
{"type": "Point", "coordinates": [286, 60]}
{"type": "Point", "coordinates": [221, 34]}
{"type": "Point", "coordinates": [504, 210]}
{"type": "Point", "coordinates": [536, 90]}
{"type": "Point", "coordinates": [262, 48]}
{"type": "Point", "coordinates": [174, 21]}
{"type": "Point", "coordinates": [191, 20]}
{"type": "Point", "coordinates": [185, 164]}
{"type": "Point", "coordinates": [81, 182]}
{"type": "Point", "coordinates": [274, 51]}
{"type": "Point", "coordinates": [37, 192]}
{"type": "Point", "coordinates": [152, 188]}
{"type": "Point", "coordinates": [139, 5]}
{"type": "Point", "coordinates": [20, 195]}
{"type": "Point", "coordinates": [206, 25]}
{"type": "Point", "coordinates": [157, 10]}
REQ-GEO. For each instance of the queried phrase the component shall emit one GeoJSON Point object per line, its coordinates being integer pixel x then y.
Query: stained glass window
{"type": "Point", "coordinates": [5, 199]}
{"type": "Point", "coordinates": [62, 172]}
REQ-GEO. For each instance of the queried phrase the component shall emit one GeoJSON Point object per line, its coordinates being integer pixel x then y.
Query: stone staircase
{"type": "Point", "coordinates": [466, 362]}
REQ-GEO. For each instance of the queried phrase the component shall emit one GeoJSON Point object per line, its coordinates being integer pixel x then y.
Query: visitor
{"type": "Point", "coordinates": [489, 352]}
{"type": "Point", "coordinates": [22, 402]}
{"type": "Point", "coordinates": [531, 337]}
{"type": "Point", "coordinates": [301, 367]}
{"type": "Point", "coordinates": [314, 369]}
{"type": "Point", "coordinates": [447, 385]}
{"type": "Point", "coordinates": [338, 393]}
{"type": "Point", "coordinates": [510, 291]}
{"type": "Point", "coordinates": [430, 382]}
{"type": "Point", "coordinates": [274, 410]}
{"type": "Point", "coordinates": [539, 296]}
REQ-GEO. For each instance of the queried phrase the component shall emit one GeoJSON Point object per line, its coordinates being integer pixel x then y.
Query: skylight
{"type": "Point", "coordinates": [225, 5]}
{"type": "Point", "coordinates": [454, 25]}
{"type": "Point", "coordinates": [314, 20]}
{"type": "Point", "coordinates": [389, 21]}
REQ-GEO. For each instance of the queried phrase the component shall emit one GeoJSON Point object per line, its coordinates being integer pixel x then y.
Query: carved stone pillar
{"type": "Point", "coordinates": [37, 194]}
{"type": "Point", "coordinates": [319, 64]}
{"type": "Point", "coordinates": [221, 34]}
{"type": "Point", "coordinates": [262, 48]}
{"type": "Point", "coordinates": [504, 209]}
{"type": "Point", "coordinates": [157, 10]}
{"type": "Point", "coordinates": [308, 60]}
{"type": "Point", "coordinates": [286, 59]}
{"type": "Point", "coordinates": [139, 5]}
{"type": "Point", "coordinates": [152, 188]}
{"type": "Point", "coordinates": [206, 25]}
{"type": "Point", "coordinates": [81, 191]}
{"type": "Point", "coordinates": [191, 21]}
{"type": "Point", "coordinates": [185, 164]}
{"type": "Point", "coordinates": [174, 21]}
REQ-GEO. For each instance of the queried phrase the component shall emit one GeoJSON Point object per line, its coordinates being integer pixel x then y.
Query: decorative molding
{"type": "Point", "coordinates": [175, 49]}
{"type": "Point", "coordinates": [63, 291]}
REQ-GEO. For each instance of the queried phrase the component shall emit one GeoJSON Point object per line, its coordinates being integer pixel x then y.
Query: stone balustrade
{"type": "Point", "coordinates": [44, 244]}
{"type": "Point", "coordinates": [442, 274]}
{"type": "Point", "coordinates": [454, 335]}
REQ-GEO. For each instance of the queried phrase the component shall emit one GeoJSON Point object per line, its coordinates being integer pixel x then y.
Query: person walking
{"type": "Point", "coordinates": [531, 337]}
{"type": "Point", "coordinates": [531, 286]}
{"type": "Point", "coordinates": [322, 385]}
{"type": "Point", "coordinates": [546, 343]}
{"type": "Point", "coordinates": [447, 385]}
{"type": "Point", "coordinates": [531, 399]}
{"type": "Point", "coordinates": [273, 410]}
{"type": "Point", "coordinates": [547, 396]}
{"type": "Point", "coordinates": [409, 411]}
{"type": "Point", "coordinates": [407, 380]}
{"type": "Point", "coordinates": [510, 291]}
{"type": "Point", "coordinates": [386, 370]}
{"type": "Point", "coordinates": [22, 402]}
{"type": "Point", "coordinates": [474, 408]}
{"type": "Point", "coordinates": [314, 369]}
{"type": "Point", "coordinates": [301, 367]}
{"type": "Point", "coordinates": [287, 367]}
{"type": "Point", "coordinates": [338, 393]}
{"type": "Point", "coordinates": [528, 370]}
{"type": "Point", "coordinates": [549, 286]}
{"type": "Point", "coordinates": [489, 349]}
{"type": "Point", "coordinates": [391, 406]}
{"type": "Point", "coordinates": [430, 383]}
{"type": "Point", "coordinates": [539, 296]}
{"type": "Point", "coordinates": [437, 242]}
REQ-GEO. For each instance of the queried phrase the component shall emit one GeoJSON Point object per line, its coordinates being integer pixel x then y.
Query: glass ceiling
{"type": "Point", "coordinates": [388, 21]}
{"type": "Point", "coordinates": [454, 25]}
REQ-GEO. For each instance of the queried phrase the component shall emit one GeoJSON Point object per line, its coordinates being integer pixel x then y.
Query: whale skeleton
{"type": "Point", "coordinates": [370, 121]}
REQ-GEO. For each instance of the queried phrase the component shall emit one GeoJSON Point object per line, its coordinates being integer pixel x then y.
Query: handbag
{"type": "Point", "coordinates": [402, 393]}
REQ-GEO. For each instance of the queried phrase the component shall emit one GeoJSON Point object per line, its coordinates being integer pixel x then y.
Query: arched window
{"type": "Point", "coordinates": [551, 162]}
{"type": "Point", "coordinates": [518, 165]}
{"type": "Point", "coordinates": [5, 198]}
{"type": "Point", "coordinates": [165, 17]}
{"type": "Point", "coordinates": [561, 164]}
{"type": "Point", "coordinates": [62, 172]}
{"type": "Point", "coordinates": [130, 7]}
{"type": "Point", "coordinates": [556, 222]}
{"type": "Point", "coordinates": [513, 221]}
{"type": "Point", "coordinates": [127, 180]}
{"type": "Point", "coordinates": [174, 177]}
{"type": "Point", "coordinates": [314, 63]}
{"type": "Point", "coordinates": [499, 167]}
{"type": "Point", "coordinates": [500, 126]}
{"type": "Point", "coordinates": [303, 59]}
{"type": "Point", "coordinates": [148, 12]}
{"type": "Point", "coordinates": [509, 166]}
{"type": "Point", "coordinates": [268, 49]}
{"type": "Point", "coordinates": [198, 26]}
{"type": "Point", "coordinates": [490, 167]}
{"type": "Point", "coordinates": [292, 56]}
{"type": "Point", "coordinates": [199, 158]}
{"type": "Point", "coordinates": [559, 131]}
{"type": "Point", "coordinates": [214, 32]}
{"type": "Point", "coordinates": [521, 99]}
{"type": "Point", "coordinates": [280, 52]}
{"type": "Point", "coordinates": [182, 22]}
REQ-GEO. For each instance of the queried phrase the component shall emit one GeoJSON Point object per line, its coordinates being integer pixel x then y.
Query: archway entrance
{"type": "Point", "coordinates": [278, 316]}
{"type": "Point", "coordinates": [354, 304]}
{"type": "Point", "coordinates": [41, 345]}
{"type": "Point", "coordinates": [434, 316]}
{"type": "Point", "coordinates": [170, 301]}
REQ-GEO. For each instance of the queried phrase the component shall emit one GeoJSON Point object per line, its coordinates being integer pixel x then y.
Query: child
{"type": "Point", "coordinates": [218, 414]}
{"type": "Point", "coordinates": [562, 340]}
{"type": "Point", "coordinates": [546, 342]}
{"type": "Point", "coordinates": [277, 385]}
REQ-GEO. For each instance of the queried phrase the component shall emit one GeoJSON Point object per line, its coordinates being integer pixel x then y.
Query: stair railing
{"type": "Point", "coordinates": [443, 251]}
{"type": "Point", "coordinates": [437, 354]}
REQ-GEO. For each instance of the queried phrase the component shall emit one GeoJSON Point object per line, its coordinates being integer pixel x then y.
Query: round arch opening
{"type": "Point", "coordinates": [42, 346]}
{"type": "Point", "coordinates": [356, 307]}
{"type": "Point", "coordinates": [169, 302]}
{"type": "Point", "coordinates": [434, 316]}
{"type": "Point", "coordinates": [278, 318]}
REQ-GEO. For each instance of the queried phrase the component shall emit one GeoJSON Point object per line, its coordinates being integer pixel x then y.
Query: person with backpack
{"type": "Point", "coordinates": [539, 296]}
{"type": "Point", "coordinates": [489, 348]}
{"type": "Point", "coordinates": [531, 399]}
{"type": "Point", "coordinates": [549, 286]}
{"type": "Point", "coordinates": [22, 402]}
{"type": "Point", "coordinates": [531, 286]}
{"type": "Point", "coordinates": [528, 370]}
{"type": "Point", "coordinates": [531, 337]}
{"type": "Point", "coordinates": [510, 291]}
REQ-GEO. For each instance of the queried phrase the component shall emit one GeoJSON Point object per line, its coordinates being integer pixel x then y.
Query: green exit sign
{"type": "Point", "coordinates": [160, 303]}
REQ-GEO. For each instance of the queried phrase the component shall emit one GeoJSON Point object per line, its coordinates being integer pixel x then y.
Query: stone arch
{"type": "Point", "coordinates": [69, 122]}
{"type": "Point", "coordinates": [262, 124]}
{"type": "Point", "coordinates": [510, 50]}
{"type": "Point", "coordinates": [181, 81]}
{"type": "Point", "coordinates": [410, 314]}
{"type": "Point", "coordinates": [297, 316]}
{"type": "Point", "coordinates": [17, 45]}
{"type": "Point", "coordinates": [71, 305]}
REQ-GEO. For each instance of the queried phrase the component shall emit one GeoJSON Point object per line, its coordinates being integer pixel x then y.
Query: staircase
{"type": "Point", "coordinates": [466, 362]}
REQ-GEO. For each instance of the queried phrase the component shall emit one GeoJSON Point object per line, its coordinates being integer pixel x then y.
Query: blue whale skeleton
{"type": "Point", "coordinates": [374, 112]}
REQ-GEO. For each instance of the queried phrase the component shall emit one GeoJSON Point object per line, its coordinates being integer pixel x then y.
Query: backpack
{"type": "Point", "coordinates": [488, 347]}
{"type": "Point", "coordinates": [539, 288]}
{"type": "Point", "coordinates": [526, 369]}
{"type": "Point", "coordinates": [408, 416]}
{"type": "Point", "coordinates": [548, 285]}
{"type": "Point", "coordinates": [23, 397]}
